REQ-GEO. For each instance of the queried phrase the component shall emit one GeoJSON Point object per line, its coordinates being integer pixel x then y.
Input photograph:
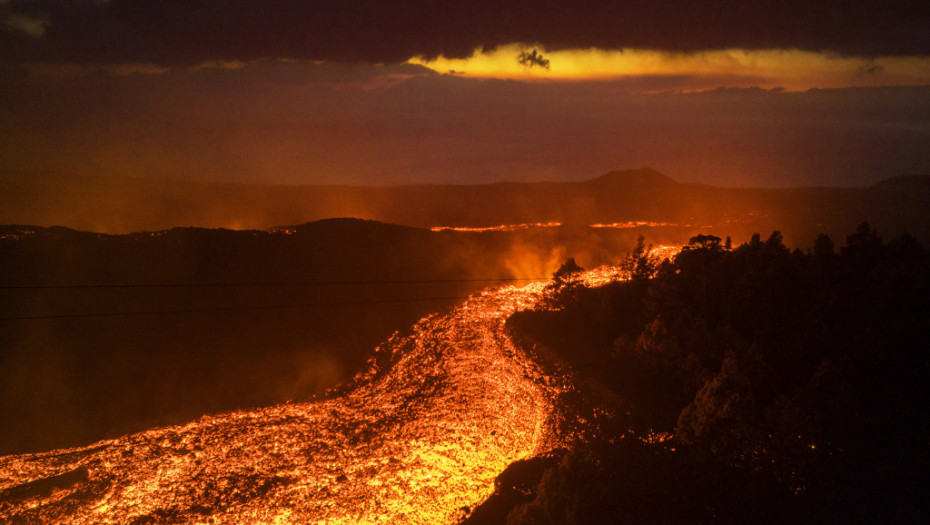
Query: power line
{"type": "Point", "coordinates": [264, 284]}
{"type": "Point", "coordinates": [231, 309]}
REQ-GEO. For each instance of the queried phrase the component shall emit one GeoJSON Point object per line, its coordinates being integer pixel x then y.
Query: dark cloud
{"type": "Point", "coordinates": [189, 32]}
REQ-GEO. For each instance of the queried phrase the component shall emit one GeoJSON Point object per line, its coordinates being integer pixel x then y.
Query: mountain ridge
{"type": "Point", "coordinates": [643, 174]}
{"type": "Point", "coordinates": [109, 205]}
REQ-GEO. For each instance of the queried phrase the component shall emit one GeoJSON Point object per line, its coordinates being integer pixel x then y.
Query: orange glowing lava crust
{"type": "Point", "coordinates": [499, 228]}
{"type": "Point", "coordinates": [633, 224]}
{"type": "Point", "coordinates": [418, 439]}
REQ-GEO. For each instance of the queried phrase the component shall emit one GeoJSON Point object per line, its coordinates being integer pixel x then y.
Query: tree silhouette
{"type": "Point", "coordinates": [532, 59]}
{"type": "Point", "coordinates": [567, 270]}
{"type": "Point", "coordinates": [705, 242]}
{"type": "Point", "coordinates": [795, 380]}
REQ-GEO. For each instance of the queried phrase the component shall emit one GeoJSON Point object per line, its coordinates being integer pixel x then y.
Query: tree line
{"type": "Point", "coordinates": [735, 385]}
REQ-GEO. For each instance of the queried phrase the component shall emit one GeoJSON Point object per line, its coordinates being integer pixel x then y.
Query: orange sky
{"type": "Point", "coordinates": [753, 93]}
{"type": "Point", "coordinates": [791, 69]}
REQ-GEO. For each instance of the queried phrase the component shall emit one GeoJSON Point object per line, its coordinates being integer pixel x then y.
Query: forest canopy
{"type": "Point", "coordinates": [746, 384]}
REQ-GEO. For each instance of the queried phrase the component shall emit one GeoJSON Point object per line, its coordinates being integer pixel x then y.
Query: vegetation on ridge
{"type": "Point", "coordinates": [793, 384]}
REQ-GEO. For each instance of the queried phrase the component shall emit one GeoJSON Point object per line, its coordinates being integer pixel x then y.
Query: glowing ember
{"type": "Point", "coordinates": [663, 251]}
{"type": "Point", "coordinates": [633, 224]}
{"type": "Point", "coordinates": [499, 228]}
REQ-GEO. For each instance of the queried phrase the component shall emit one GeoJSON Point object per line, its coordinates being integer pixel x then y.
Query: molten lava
{"type": "Point", "coordinates": [418, 438]}
{"type": "Point", "coordinates": [633, 224]}
{"type": "Point", "coordinates": [498, 228]}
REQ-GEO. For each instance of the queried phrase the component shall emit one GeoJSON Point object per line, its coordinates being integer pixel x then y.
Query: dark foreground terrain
{"type": "Point", "coordinates": [752, 384]}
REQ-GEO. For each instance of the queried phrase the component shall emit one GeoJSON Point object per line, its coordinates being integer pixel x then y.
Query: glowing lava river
{"type": "Point", "coordinates": [418, 437]}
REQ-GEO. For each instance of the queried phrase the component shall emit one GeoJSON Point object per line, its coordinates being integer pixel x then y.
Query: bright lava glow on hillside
{"type": "Point", "coordinates": [499, 228]}
{"type": "Point", "coordinates": [419, 437]}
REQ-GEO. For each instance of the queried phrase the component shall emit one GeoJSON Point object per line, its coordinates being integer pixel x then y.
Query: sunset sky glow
{"type": "Point", "coordinates": [348, 92]}
{"type": "Point", "coordinates": [793, 69]}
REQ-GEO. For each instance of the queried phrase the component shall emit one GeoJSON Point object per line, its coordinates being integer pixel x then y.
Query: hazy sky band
{"type": "Point", "coordinates": [291, 122]}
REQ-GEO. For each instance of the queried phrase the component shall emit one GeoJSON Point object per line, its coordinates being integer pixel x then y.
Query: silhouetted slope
{"type": "Point", "coordinates": [70, 381]}
{"type": "Point", "coordinates": [122, 205]}
{"type": "Point", "coordinates": [792, 387]}
{"type": "Point", "coordinates": [75, 380]}
{"type": "Point", "coordinates": [919, 183]}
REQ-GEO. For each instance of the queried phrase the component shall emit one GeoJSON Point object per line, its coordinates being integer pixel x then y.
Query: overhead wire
{"type": "Point", "coordinates": [247, 284]}
{"type": "Point", "coordinates": [231, 308]}
{"type": "Point", "coordinates": [264, 284]}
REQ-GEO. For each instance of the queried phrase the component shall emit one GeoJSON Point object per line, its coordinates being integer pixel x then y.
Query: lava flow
{"type": "Point", "coordinates": [498, 228]}
{"type": "Point", "coordinates": [418, 438]}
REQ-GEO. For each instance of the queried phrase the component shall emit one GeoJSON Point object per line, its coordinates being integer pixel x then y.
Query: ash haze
{"type": "Point", "coordinates": [761, 94]}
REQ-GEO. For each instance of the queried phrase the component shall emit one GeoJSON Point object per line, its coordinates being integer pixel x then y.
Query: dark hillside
{"type": "Point", "coordinates": [794, 385]}
{"type": "Point", "coordinates": [225, 337]}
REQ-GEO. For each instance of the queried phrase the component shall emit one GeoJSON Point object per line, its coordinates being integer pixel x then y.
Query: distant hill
{"type": "Point", "coordinates": [123, 205]}
{"type": "Point", "coordinates": [911, 182]}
